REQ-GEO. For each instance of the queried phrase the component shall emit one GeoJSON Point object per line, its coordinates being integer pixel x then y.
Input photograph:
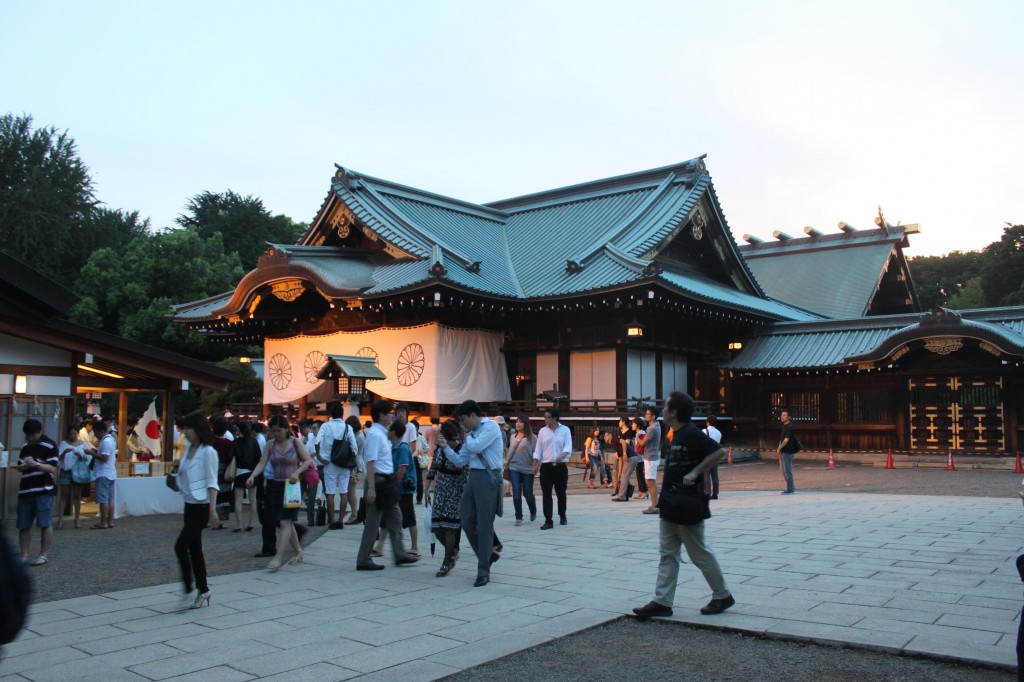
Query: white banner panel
{"type": "Point", "coordinates": [429, 363]}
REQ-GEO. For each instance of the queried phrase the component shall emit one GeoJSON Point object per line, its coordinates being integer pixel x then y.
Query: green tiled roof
{"type": "Point", "coordinates": [833, 343]}
{"type": "Point", "coordinates": [518, 248]}
{"type": "Point", "coordinates": [834, 275]}
{"type": "Point", "coordinates": [590, 237]}
{"type": "Point", "coordinates": [351, 366]}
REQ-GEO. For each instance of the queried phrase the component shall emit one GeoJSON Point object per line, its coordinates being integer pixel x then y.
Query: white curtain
{"type": "Point", "coordinates": [430, 363]}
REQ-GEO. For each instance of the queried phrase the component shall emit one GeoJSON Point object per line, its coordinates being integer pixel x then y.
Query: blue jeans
{"type": "Point", "coordinates": [787, 469]}
{"type": "Point", "coordinates": [522, 484]}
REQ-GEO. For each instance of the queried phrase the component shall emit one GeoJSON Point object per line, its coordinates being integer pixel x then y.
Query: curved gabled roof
{"type": "Point", "coordinates": [594, 236]}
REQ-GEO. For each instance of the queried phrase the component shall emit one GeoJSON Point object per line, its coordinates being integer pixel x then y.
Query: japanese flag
{"type": "Point", "coordinates": [148, 430]}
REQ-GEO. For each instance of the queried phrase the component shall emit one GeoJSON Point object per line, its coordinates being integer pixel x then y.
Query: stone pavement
{"type": "Point", "coordinates": [918, 574]}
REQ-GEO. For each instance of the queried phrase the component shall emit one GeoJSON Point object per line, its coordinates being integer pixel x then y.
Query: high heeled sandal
{"type": "Point", "coordinates": [443, 571]}
{"type": "Point", "coordinates": [200, 598]}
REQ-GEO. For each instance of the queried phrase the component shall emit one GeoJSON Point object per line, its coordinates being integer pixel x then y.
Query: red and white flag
{"type": "Point", "coordinates": [148, 430]}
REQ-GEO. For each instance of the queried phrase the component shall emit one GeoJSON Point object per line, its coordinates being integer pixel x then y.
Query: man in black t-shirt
{"type": "Point", "coordinates": [787, 448]}
{"type": "Point", "coordinates": [690, 453]}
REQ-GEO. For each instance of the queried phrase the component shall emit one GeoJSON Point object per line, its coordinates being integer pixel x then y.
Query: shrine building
{"type": "Point", "coordinates": [605, 296]}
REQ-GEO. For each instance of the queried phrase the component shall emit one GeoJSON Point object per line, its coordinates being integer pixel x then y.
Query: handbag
{"type": "Point", "coordinates": [292, 495]}
{"type": "Point", "coordinates": [81, 472]}
{"type": "Point", "coordinates": [342, 454]}
{"type": "Point", "coordinates": [231, 471]}
{"type": "Point", "coordinates": [684, 504]}
{"type": "Point", "coordinates": [171, 479]}
{"type": "Point", "coordinates": [506, 474]}
{"type": "Point", "coordinates": [311, 477]}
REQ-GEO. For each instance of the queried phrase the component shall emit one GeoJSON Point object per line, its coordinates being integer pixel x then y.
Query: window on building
{"type": "Point", "coordinates": [802, 406]}
{"type": "Point", "coordinates": [853, 407]}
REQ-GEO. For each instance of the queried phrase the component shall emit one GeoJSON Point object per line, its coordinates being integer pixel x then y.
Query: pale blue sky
{"type": "Point", "coordinates": [810, 112]}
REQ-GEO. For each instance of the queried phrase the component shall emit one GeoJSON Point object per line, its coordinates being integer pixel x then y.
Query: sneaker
{"type": "Point", "coordinates": [716, 606]}
{"type": "Point", "coordinates": [518, 522]}
{"type": "Point", "coordinates": [788, 492]}
{"type": "Point", "coordinates": [653, 610]}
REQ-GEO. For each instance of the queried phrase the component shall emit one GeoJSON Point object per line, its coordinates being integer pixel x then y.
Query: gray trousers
{"type": "Point", "coordinates": [390, 518]}
{"type": "Point", "coordinates": [479, 507]}
{"type": "Point", "coordinates": [672, 536]}
{"type": "Point", "coordinates": [627, 473]}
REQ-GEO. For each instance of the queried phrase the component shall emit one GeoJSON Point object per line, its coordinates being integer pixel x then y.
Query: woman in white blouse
{"type": "Point", "coordinates": [196, 476]}
{"type": "Point", "coordinates": [71, 449]}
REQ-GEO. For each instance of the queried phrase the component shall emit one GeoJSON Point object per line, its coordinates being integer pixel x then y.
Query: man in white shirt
{"type": "Point", "coordinates": [554, 445]}
{"type": "Point", "coordinates": [336, 479]}
{"type": "Point", "coordinates": [105, 469]}
{"type": "Point", "coordinates": [715, 435]}
{"type": "Point", "coordinates": [652, 457]}
{"type": "Point", "coordinates": [483, 450]}
{"type": "Point", "coordinates": [380, 479]}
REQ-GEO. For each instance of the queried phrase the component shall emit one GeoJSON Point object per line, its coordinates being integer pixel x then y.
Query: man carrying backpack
{"type": "Point", "coordinates": [789, 445]}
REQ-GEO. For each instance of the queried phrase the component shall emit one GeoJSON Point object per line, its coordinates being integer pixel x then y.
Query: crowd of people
{"type": "Point", "coordinates": [458, 469]}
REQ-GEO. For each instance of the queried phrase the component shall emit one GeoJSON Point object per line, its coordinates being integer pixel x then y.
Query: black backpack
{"type": "Point", "coordinates": [15, 592]}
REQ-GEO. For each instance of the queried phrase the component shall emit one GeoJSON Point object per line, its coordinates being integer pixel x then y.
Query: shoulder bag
{"type": "Point", "coordinates": [342, 454]}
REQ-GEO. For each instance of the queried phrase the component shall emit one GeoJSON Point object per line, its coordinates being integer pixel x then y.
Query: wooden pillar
{"type": "Point", "coordinates": [302, 407]}
{"type": "Point", "coordinates": [167, 436]}
{"type": "Point", "coordinates": [122, 425]}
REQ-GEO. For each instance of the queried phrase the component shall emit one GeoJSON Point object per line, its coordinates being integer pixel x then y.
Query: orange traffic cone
{"type": "Point", "coordinates": [888, 460]}
{"type": "Point", "coordinates": [730, 457]}
{"type": "Point", "coordinates": [1019, 469]}
{"type": "Point", "coordinates": [949, 462]}
{"type": "Point", "coordinates": [831, 460]}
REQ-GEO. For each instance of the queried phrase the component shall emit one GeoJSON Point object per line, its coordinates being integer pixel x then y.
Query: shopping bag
{"type": "Point", "coordinates": [292, 495]}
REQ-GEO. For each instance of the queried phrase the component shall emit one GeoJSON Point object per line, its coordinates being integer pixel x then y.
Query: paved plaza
{"type": "Point", "coordinates": [901, 573]}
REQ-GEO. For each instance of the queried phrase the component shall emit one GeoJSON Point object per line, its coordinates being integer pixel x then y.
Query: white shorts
{"type": "Point", "coordinates": [336, 479]}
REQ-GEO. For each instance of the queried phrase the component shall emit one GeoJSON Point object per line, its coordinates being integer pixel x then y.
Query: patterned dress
{"type": "Point", "coordinates": [449, 481]}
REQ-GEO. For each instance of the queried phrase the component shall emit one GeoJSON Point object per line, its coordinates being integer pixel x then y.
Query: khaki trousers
{"type": "Point", "coordinates": [672, 536]}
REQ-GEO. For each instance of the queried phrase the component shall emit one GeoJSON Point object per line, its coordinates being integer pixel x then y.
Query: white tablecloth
{"type": "Point", "coordinates": [146, 495]}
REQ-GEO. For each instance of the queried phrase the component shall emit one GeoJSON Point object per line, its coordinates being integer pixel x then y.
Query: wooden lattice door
{"type": "Point", "coordinates": [956, 413]}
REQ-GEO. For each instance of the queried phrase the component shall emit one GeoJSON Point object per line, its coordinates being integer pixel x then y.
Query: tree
{"type": "Point", "coordinates": [971, 295]}
{"type": "Point", "coordinates": [1002, 275]}
{"type": "Point", "coordinates": [130, 293]}
{"type": "Point", "coordinates": [245, 224]}
{"type": "Point", "coordinates": [940, 278]}
{"type": "Point", "coordinates": [46, 196]}
{"type": "Point", "coordinates": [111, 228]}
{"type": "Point", "coordinates": [246, 388]}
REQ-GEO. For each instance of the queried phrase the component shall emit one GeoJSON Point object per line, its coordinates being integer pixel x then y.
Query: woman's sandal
{"type": "Point", "coordinates": [273, 568]}
{"type": "Point", "coordinates": [296, 560]}
{"type": "Point", "coordinates": [650, 510]}
{"type": "Point", "coordinates": [443, 571]}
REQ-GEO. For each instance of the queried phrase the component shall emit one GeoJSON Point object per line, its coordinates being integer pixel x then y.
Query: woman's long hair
{"type": "Point", "coordinates": [198, 422]}
{"type": "Point", "coordinates": [527, 429]}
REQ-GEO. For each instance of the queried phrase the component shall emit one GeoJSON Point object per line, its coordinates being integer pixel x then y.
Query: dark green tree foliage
{"type": "Point", "coordinates": [1002, 275]}
{"type": "Point", "coordinates": [111, 228]}
{"type": "Point", "coordinates": [130, 293]}
{"type": "Point", "coordinates": [940, 279]}
{"type": "Point", "coordinates": [46, 197]}
{"type": "Point", "coordinates": [245, 388]}
{"type": "Point", "coordinates": [245, 224]}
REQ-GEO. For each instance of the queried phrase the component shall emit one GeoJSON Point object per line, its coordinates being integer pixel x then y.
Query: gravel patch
{"type": "Point", "coordinates": [631, 649]}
